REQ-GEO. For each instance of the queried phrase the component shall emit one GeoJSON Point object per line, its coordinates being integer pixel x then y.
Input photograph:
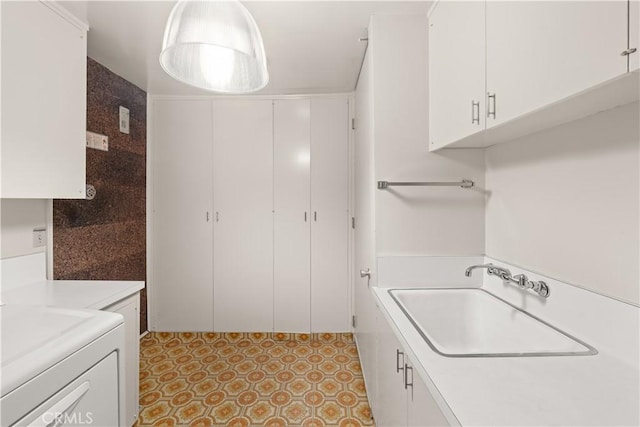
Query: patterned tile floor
{"type": "Point", "coordinates": [257, 379]}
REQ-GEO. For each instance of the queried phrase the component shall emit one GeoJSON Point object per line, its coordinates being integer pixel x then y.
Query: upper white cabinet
{"type": "Point", "coordinates": [634, 35]}
{"type": "Point", "coordinates": [456, 71]}
{"type": "Point", "coordinates": [544, 63]}
{"type": "Point", "coordinates": [541, 52]}
{"type": "Point", "coordinates": [43, 102]}
{"type": "Point", "coordinates": [243, 215]}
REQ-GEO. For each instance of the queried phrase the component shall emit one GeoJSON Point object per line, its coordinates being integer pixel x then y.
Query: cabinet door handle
{"type": "Point", "coordinates": [217, 216]}
{"type": "Point", "coordinates": [475, 106]}
{"type": "Point", "coordinates": [399, 366]}
{"type": "Point", "coordinates": [315, 216]}
{"type": "Point", "coordinates": [628, 51]}
{"type": "Point", "coordinates": [305, 216]}
{"type": "Point", "coordinates": [491, 112]}
{"type": "Point", "coordinates": [408, 384]}
{"type": "Point", "coordinates": [207, 216]}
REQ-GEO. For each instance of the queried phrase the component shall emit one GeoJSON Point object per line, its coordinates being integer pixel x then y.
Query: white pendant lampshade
{"type": "Point", "coordinates": [214, 45]}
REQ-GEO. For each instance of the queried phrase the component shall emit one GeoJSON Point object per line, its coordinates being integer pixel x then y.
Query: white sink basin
{"type": "Point", "coordinates": [475, 323]}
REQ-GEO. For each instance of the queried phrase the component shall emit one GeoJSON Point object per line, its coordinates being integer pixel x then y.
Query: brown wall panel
{"type": "Point", "coordinates": [105, 238]}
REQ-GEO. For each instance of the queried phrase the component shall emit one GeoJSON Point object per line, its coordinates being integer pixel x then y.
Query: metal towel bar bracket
{"type": "Point", "coordinates": [465, 183]}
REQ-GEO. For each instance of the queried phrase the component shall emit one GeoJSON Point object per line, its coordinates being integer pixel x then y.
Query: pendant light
{"type": "Point", "coordinates": [214, 45]}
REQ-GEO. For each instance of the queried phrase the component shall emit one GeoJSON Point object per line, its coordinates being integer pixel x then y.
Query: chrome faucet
{"type": "Point", "coordinates": [492, 270]}
{"type": "Point", "coordinates": [521, 280]}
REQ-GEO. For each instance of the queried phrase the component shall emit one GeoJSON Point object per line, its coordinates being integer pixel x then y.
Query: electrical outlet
{"type": "Point", "coordinates": [124, 120]}
{"type": "Point", "coordinates": [39, 237]}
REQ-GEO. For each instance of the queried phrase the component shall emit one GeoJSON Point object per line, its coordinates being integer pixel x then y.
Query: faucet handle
{"type": "Point", "coordinates": [523, 281]}
{"type": "Point", "coordinates": [543, 289]}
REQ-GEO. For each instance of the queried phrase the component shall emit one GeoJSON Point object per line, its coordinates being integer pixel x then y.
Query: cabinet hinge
{"type": "Point", "coordinates": [353, 321]}
{"type": "Point", "coordinates": [353, 123]}
{"type": "Point", "coordinates": [353, 222]}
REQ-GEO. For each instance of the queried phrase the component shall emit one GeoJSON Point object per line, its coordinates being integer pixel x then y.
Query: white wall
{"type": "Point", "coordinates": [18, 219]}
{"type": "Point", "coordinates": [565, 203]}
{"type": "Point", "coordinates": [417, 221]}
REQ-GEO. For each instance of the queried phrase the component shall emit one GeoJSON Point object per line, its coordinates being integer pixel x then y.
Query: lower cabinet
{"type": "Point", "coordinates": [422, 409]}
{"type": "Point", "coordinates": [129, 308]}
{"type": "Point", "coordinates": [403, 398]}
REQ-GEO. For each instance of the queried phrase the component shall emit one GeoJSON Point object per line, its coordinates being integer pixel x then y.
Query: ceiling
{"type": "Point", "coordinates": [311, 46]}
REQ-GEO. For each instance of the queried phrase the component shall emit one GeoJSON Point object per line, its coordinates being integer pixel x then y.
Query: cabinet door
{"type": "Point", "coordinates": [392, 397]}
{"type": "Point", "coordinates": [330, 215]}
{"type": "Point", "coordinates": [456, 71]}
{"type": "Point", "coordinates": [182, 230]}
{"type": "Point", "coordinates": [243, 218]}
{"type": "Point", "coordinates": [129, 309]}
{"type": "Point", "coordinates": [422, 409]}
{"type": "Point", "coordinates": [292, 229]}
{"type": "Point", "coordinates": [542, 52]}
{"type": "Point", "coordinates": [364, 237]}
{"type": "Point", "coordinates": [44, 74]}
{"type": "Point", "coordinates": [634, 34]}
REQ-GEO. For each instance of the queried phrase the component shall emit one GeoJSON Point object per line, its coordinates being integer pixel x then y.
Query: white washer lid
{"type": "Point", "coordinates": [34, 338]}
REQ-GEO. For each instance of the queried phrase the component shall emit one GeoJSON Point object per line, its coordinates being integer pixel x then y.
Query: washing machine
{"type": "Point", "coordinates": [61, 367]}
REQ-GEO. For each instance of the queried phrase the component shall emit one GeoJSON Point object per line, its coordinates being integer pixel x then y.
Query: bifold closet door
{"type": "Point", "coordinates": [182, 202]}
{"type": "Point", "coordinates": [292, 216]}
{"type": "Point", "coordinates": [329, 215]}
{"type": "Point", "coordinates": [243, 215]}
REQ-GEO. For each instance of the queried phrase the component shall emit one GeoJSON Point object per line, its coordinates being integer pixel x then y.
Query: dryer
{"type": "Point", "coordinates": [61, 367]}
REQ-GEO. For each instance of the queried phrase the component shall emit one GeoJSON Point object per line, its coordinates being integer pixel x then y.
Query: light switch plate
{"type": "Point", "coordinates": [39, 237]}
{"type": "Point", "coordinates": [97, 141]}
{"type": "Point", "coordinates": [124, 120]}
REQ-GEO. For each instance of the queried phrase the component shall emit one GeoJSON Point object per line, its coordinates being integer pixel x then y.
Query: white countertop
{"type": "Point", "coordinates": [95, 294]}
{"type": "Point", "coordinates": [562, 390]}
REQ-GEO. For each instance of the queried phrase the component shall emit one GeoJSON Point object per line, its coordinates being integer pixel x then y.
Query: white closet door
{"type": "Point", "coordinates": [292, 215]}
{"type": "Point", "coordinates": [182, 234]}
{"type": "Point", "coordinates": [243, 205]}
{"type": "Point", "coordinates": [329, 215]}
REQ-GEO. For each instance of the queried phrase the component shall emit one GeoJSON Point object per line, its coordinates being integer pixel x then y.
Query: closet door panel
{"type": "Point", "coordinates": [182, 198]}
{"type": "Point", "coordinates": [292, 216]}
{"type": "Point", "coordinates": [243, 215]}
{"type": "Point", "coordinates": [329, 215]}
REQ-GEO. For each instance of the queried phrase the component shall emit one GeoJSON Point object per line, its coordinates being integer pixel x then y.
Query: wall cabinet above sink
{"type": "Point", "coordinates": [501, 70]}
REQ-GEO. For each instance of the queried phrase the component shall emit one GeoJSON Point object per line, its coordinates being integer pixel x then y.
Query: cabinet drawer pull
{"type": "Point", "coordinates": [475, 107]}
{"type": "Point", "coordinates": [408, 384]}
{"type": "Point", "coordinates": [491, 112]}
{"type": "Point", "coordinates": [399, 366]}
